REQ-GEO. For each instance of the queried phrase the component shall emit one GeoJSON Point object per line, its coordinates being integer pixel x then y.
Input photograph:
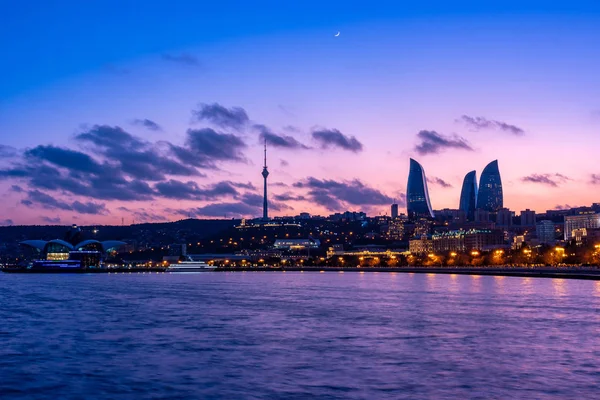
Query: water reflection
{"type": "Point", "coordinates": [559, 286]}
{"type": "Point", "coordinates": [430, 281]}
{"type": "Point", "coordinates": [526, 286]}
{"type": "Point", "coordinates": [453, 285]}
{"type": "Point", "coordinates": [475, 283]}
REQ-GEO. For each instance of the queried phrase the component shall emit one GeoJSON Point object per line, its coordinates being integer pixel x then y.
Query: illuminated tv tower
{"type": "Point", "coordinates": [265, 174]}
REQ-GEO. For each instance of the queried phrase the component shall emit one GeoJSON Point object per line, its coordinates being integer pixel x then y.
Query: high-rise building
{"type": "Point", "coordinates": [528, 218]}
{"type": "Point", "coordinates": [545, 232]}
{"type": "Point", "coordinates": [417, 195]}
{"type": "Point", "coordinates": [394, 210]}
{"type": "Point", "coordinates": [265, 174]}
{"type": "Point", "coordinates": [589, 220]}
{"type": "Point", "coordinates": [490, 197]}
{"type": "Point", "coordinates": [468, 195]}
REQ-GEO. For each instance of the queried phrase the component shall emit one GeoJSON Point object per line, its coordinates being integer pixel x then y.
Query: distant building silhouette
{"type": "Point", "coordinates": [468, 195]}
{"type": "Point", "coordinates": [528, 218]}
{"type": "Point", "coordinates": [490, 197]}
{"type": "Point", "coordinates": [417, 195]}
{"type": "Point", "coordinates": [482, 215]}
{"type": "Point", "coordinates": [504, 218]}
{"type": "Point", "coordinates": [394, 211]}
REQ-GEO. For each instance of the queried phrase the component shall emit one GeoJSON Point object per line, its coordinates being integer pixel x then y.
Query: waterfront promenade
{"type": "Point", "coordinates": [570, 272]}
{"type": "Point", "coordinates": [591, 273]}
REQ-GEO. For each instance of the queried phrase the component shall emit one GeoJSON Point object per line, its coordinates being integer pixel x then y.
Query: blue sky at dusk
{"type": "Point", "coordinates": [156, 111]}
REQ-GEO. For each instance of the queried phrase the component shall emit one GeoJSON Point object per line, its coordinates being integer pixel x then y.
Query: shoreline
{"type": "Point", "coordinates": [520, 272]}
{"type": "Point", "coordinates": [571, 273]}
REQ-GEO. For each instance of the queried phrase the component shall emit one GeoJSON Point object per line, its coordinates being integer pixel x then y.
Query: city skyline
{"type": "Point", "coordinates": [162, 132]}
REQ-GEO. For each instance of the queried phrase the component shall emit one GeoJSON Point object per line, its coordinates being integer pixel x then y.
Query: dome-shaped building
{"type": "Point", "coordinates": [89, 253]}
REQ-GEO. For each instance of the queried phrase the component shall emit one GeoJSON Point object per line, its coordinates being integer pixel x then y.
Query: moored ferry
{"type": "Point", "coordinates": [191, 266]}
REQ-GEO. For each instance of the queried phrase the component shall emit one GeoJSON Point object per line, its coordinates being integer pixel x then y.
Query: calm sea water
{"type": "Point", "coordinates": [297, 335]}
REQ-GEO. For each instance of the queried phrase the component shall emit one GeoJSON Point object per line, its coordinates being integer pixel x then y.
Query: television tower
{"type": "Point", "coordinates": [265, 174]}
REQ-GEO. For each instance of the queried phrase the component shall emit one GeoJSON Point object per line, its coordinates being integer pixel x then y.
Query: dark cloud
{"type": "Point", "coordinates": [225, 210]}
{"type": "Point", "coordinates": [149, 165]}
{"type": "Point", "coordinates": [148, 124]}
{"type": "Point", "coordinates": [128, 164]}
{"type": "Point", "coordinates": [325, 199]}
{"type": "Point", "coordinates": [7, 151]}
{"type": "Point", "coordinates": [183, 59]}
{"type": "Point", "coordinates": [279, 184]}
{"type": "Point", "coordinates": [66, 158]}
{"type": "Point", "coordinates": [6, 222]}
{"type": "Point", "coordinates": [330, 138]}
{"type": "Point", "coordinates": [191, 191]}
{"type": "Point", "coordinates": [205, 146]}
{"type": "Point", "coordinates": [247, 185]}
{"type": "Point", "coordinates": [143, 215]}
{"type": "Point", "coordinates": [234, 117]}
{"type": "Point", "coordinates": [401, 200]}
{"type": "Point", "coordinates": [17, 189]}
{"type": "Point", "coordinates": [434, 143]}
{"type": "Point", "coordinates": [288, 196]}
{"type": "Point", "coordinates": [439, 182]}
{"type": "Point", "coordinates": [559, 207]}
{"type": "Point", "coordinates": [44, 200]}
{"type": "Point", "coordinates": [553, 180]}
{"type": "Point", "coordinates": [282, 141]}
{"type": "Point", "coordinates": [89, 208]}
{"type": "Point", "coordinates": [595, 179]}
{"type": "Point", "coordinates": [291, 129]}
{"type": "Point", "coordinates": [134, 157]}
{"type": "Point", "coordinates": [478, 123]}
{"type": "Point", "coordinates": [110, 185]}
{"type": "Point", "coordinates": [330, 193]}
{"type": "Point", "coordinates": [256, 200]}
{"type": "Point", "coordinates": [252, 199]}
{"type": "Point", "coordinates": [50, 220]}
{"type": "Point", "coordinates": [108, 137]}
{"type": "Point", "coordinates": [283, 163]}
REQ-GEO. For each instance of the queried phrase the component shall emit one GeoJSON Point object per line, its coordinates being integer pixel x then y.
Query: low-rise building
{"type": "Point", "coordinates": [424, 245]}
{"type": "Point", "coordinates": [588, 220]}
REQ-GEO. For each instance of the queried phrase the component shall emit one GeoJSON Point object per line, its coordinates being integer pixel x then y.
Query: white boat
{"type": "Point", "coordinates": [190, 266]}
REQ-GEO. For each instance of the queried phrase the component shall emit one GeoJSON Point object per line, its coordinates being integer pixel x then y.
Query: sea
{"type": "Point", "coordinates": [294, 335]}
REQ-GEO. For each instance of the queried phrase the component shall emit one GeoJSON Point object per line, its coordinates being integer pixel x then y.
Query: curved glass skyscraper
{"type": "Point", "coordinates": [490, 196]}
{"type": "Point", "coordinates": [417, 195]}
{"type": "Point", "coordinates": [468, 195]}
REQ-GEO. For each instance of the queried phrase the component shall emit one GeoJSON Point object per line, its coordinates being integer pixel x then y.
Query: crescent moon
{"type": "Point", "coordinates": [337, 34]}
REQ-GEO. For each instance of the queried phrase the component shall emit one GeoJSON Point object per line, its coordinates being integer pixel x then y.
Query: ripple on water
{"type": "Point", "coordinates": [297, 335]}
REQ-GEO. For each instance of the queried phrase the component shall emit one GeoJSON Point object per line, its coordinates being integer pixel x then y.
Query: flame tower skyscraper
{"type": "Point", "coordinates": [265, 174]}
{"type": "Point", "coordinates": [490, 196]}
{"type": "Point", "coordinates": [468, 195]}
{"type": "Point", "coordinates": [418, 204]}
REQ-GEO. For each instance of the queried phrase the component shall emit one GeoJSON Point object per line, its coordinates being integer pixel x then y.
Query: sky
{"type": "Point", "coordinates": [116, 112]}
